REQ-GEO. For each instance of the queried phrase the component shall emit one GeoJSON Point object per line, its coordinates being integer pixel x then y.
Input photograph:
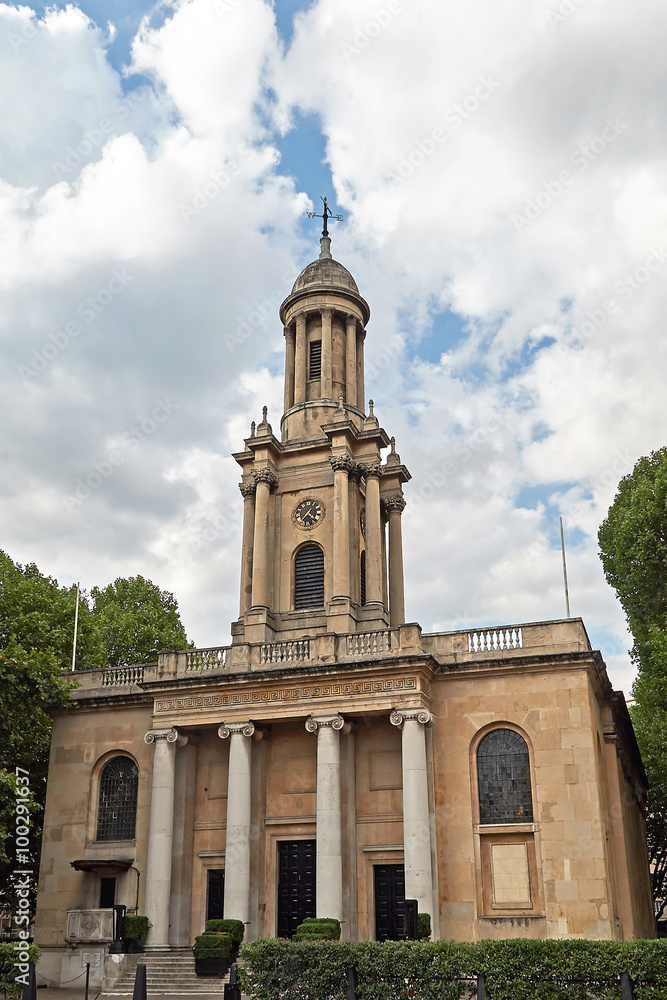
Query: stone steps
{"type": "Point", "coordinates": [167, 975]}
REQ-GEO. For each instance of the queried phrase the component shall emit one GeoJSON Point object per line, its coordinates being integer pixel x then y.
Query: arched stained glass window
{"type": "Point", "coordinates": [117, 810]}
{"type": "Point", "coordinates": [503, 778]}
{"type": "Point", "coordinates": [309, 577]}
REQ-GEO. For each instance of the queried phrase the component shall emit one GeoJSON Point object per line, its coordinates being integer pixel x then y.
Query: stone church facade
{"type": "Point", "coordinates": [335, 760]}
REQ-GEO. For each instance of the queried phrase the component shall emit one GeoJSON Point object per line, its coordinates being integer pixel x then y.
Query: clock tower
{"type": "Point", "coordinates": [322, 545]}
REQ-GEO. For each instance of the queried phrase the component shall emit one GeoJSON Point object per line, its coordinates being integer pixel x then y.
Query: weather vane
{"type": "Point", "coordinates": [325, 216]}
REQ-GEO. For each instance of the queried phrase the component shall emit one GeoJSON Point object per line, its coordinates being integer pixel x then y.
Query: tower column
{"type": "Point", "coordinates": [361, 391]}
{"type": "Point", "coordinates": [372, 473]}
{"type": "Point", "coordinates": [327, 350]}
{"type": "Point", "coordinates": [300, 360]}
{"type": "Point", "coordinates": [395, 506]}
{"type": "Point", "coordinates": [351, 360]}
{"type": "Point", "coordinates": [329, 872]}
{"type": "Point", "coordinates": [342, 464]}
{"type": "Point", "coordinates": [265, 480]}
{"type": "Point", "coordinates": [289, 366]}
{"type": "Point", "coordinates": [237, 843]}
{"type": "Point", "coordinates": [160, 835]}
{"type": "Point", "coordinates": [248, 494]}
{"type": "Point", "coordinates": [416, 820]}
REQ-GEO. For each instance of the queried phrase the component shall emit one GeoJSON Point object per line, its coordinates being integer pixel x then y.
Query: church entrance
{"type": "Point", "coordinates": [296, 884]}
{"type": "Point", "coordinates": [389, 902]}
{"type": "Point", "coordinates": [216, 894]}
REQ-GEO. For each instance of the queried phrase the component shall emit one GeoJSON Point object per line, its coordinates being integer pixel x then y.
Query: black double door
{"type": "Point", "coordinates": [389, 902]}
{"type": "Point", "coordinates": [296, 884]}
{"type": "Point", "coordinates": [216, 894]}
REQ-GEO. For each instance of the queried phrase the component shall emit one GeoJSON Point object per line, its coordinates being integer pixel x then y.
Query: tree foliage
{"type": "Point", "coordinates": [136, 620]}
{"type": "Point", "coordinates": [633, 549]}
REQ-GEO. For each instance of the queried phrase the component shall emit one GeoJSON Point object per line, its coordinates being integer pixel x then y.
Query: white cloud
{"type": "Point", "coordinates": [472, 152]}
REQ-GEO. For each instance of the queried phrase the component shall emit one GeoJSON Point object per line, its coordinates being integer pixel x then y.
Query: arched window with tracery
{"type": "Point", "coordinates": [309, 577]}
{"type": "Point", "coordinates": [503, 778]}
{"type": "Point", "coordinates": [117, 809]}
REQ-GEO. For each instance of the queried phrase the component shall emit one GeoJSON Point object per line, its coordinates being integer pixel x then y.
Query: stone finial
{"type": "Point", "coordinates": [265, 413]}
{"type": "Point", "coordinates": [371, 404]}
{"type": "Point", "coordinates": [252, 429]}
{"type": "Point", "coordinates": [393, 458]}
{"type": "Point", "coordinates": [325, 248]}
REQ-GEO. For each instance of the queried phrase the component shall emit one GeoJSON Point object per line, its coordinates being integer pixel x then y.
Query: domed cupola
{"type": "Point", "coordinates": [325, 275]}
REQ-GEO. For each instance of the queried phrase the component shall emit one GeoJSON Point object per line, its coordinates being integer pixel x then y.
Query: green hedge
{"type": "Point", "coordinates": [423, 926]}
{"type": "Point", "coordinates": [318, 929]}
{"type": "Point", "coordinates": [136, 927]}
{"type": "Point", "coordinates": [8, 985]}
{"type": "Point", "coordinates": [212, 946]}
{"type": "Point", "coordinates": [515, 969]}
{"type": "Point", "coordinates": [234, 927]}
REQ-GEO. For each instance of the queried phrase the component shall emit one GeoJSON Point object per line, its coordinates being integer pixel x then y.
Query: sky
{"type": "Point", "coordinates": [501, 173]}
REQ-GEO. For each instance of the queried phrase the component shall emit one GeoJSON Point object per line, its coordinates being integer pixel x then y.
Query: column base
{"type": "Point", "coordinates": [340, 615]}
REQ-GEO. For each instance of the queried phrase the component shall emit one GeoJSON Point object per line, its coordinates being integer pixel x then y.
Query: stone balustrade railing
{"type": "Point", "coordinates": [460, 647]}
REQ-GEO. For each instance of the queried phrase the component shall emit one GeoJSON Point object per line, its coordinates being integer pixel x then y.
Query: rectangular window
{"type": "Point", "coordinates": [315, 365]}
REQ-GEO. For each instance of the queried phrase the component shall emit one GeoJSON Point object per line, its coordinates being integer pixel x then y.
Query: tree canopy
{"type": "Point", "coordinates": [136, 620]}
{"type": "Point", "coordinates": [128, 621]}
{"type": "Point", "coordinates": [633, 549]}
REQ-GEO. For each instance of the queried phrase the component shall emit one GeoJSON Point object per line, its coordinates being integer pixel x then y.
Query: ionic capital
{"type": "Point", "coordinates": [337, 722]}
{"type": "Point", "coordinates": [247, 490]}
{"type": "Point", "coordinates": [169, 735]}
{"type": "Point", "coordinates": [265, 476]}
{"type": "Point", "coordinates": [394, 504]}
{"type": "Point", "coordinates": [342, 463]}
{"type": "Point", "coordinates": [422, 715]}
{"type": "Point", "coordinates": [226, 729]}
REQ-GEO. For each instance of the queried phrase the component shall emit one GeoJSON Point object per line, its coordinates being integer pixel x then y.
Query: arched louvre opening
{"type": "Point", "coordinates": [309, 577]}
{"type": "Point", "coordinates": [503, 778]}
{"type": "Point", "coordinates": [117, 811]}
{"type": "Point", "coordinates": [362, 577]}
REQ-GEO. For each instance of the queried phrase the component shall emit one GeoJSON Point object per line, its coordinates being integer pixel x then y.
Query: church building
{"type": "Point", "coordinates": [335, 760]}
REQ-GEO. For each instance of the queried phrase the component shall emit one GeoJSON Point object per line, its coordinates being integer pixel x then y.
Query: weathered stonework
{"type": "Point", "coordinates": [343, 726]}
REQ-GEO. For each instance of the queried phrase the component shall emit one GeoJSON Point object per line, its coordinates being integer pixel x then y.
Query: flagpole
{"type": "Point", "coordinates": [76, 626]}
{"type": "Point", "coordinates": [562, 547]}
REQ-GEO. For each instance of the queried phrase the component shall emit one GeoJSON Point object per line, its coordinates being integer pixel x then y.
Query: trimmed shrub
{"type": "Point", "coordinates": [8, 972]}
{"type": "Point", "coordinates": [423, 926]}
{"type": "Point", "coordinates": [516, 969]}
{"type": "Point", "coordinates": [318, 929]}
{"type": "Point", "coordinates": [212, 946]}
{"type": "Point", "coordinates": [136, 927]}
{"type": "Point", "coordinates": [234, 927]}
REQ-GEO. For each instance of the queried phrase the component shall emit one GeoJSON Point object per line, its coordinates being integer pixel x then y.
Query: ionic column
{"type": "Point", "coordinates": [361, 392]}
{"type": "Point", "coordinates": [289, 366]}
{"type": "Point", "coordinates": [248, 494]}
{"type": "Point", "coordinates": [265, 481]}
{"type": "Point", "coordinates": [395, 506]}
{"type": "Point", "coordinates": [300, 360]}
{"type": "Point", "coordinates": [326, 389]}
{"type": "Point", "coordinates": [372, 472]}
{"type": "Point", "coordinates": [237, 839]}
{"type": "Point", "coordinates": [342, 464]}
{"type": "Point", "coordinates": [351, 360]}
{"type": "Point", "coordinates": [329, 873]}
{"type": "Point", "coordinates": [160, 835]}
{"type": "Point", "coordinates": [416, 820]}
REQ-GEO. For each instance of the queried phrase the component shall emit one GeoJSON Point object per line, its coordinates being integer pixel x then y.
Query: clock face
{"type": "Point", "coordinates": [308, 513]}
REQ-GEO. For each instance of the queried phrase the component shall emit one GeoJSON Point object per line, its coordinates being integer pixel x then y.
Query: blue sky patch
{"type": "Point", "coordinates": [285, 11]}
{"type": "Point", "coordinates": [302, 156]}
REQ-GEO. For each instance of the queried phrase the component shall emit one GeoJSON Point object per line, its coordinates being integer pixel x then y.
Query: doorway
{"type": "Point", "coordinates": [216, 894]}
{"type": "Point", "coordinates": [389, 902]}
{"type": "Point", "coordinates": [296, 884]}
